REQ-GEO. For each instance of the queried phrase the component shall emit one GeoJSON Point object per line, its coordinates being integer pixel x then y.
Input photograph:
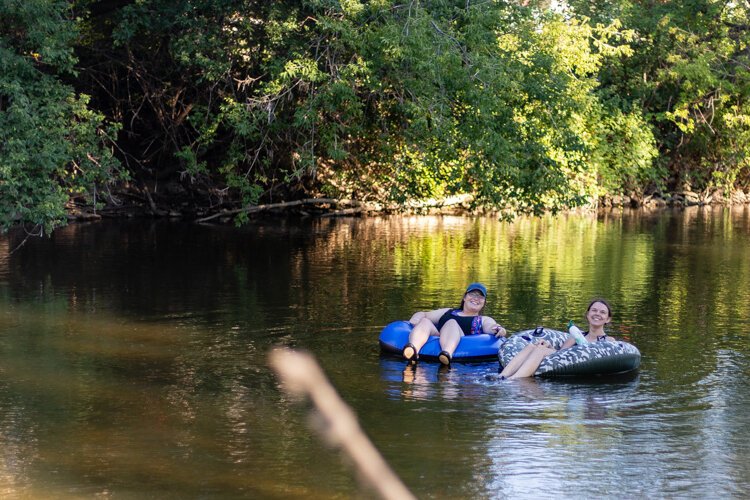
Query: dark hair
{"type": "Point", "coordinates": [594, 301]}
{"type": "Point", "coordinates": [481, 311]}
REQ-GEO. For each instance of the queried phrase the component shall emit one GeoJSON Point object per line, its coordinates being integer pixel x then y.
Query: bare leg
{"type": "Point", "coordinates": [450, 336]}
{"type": "Point", "coordinates": [532, 362]}
{"type": "Point", "coordinates": [419, 336]}
{"type": "Point", "coordinates": [517, 361]}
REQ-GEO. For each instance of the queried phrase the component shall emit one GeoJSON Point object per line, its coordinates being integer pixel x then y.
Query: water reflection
{"type": "Point", "coordinates": [426, 381]}
{"type": "Point", "coordinates": [132, 357]}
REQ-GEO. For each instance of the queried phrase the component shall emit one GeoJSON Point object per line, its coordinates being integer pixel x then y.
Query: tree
{"type": "Point", "coordinates": [377, 100]}
{"type": "Point", "coordinates": [52, 145]}
{"type": "Point", "coordinates": [689, 74]}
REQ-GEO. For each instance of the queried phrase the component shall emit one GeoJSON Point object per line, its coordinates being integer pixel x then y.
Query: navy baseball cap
{"type": "Point", "coordinates": [476, 286]}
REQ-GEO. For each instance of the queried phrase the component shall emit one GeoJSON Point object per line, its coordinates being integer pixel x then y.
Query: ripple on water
{"type": "Point", "coordinates": [133, 355]}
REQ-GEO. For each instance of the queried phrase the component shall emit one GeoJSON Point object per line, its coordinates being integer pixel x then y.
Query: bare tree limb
{"type": "Point", "coordinates": [357, 207]}
{"type": "Point", "coordinates": [302, 375]}
{"type": "Point", "coordinates": [270, 206]}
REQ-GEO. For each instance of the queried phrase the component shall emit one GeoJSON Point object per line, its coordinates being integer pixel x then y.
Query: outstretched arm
{"type": "Point", "coordinates": [489, 325]}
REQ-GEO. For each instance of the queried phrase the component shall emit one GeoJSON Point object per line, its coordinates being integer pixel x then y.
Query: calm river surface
{"type": "Point", "coordinates": [133, 357]}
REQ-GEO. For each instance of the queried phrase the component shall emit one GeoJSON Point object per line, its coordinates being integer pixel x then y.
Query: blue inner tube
{"type": "Point", "coordinates": [597, 358]}
{"type": "Point", "coordinates": [479, 347]}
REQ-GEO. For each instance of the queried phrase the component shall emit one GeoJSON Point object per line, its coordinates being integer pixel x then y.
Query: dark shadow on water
{"type": "Point", "coordinates": [616, 378]}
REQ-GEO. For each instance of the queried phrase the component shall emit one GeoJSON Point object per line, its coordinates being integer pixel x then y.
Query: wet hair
{"type": "Point", "coordinates": [594, 301]}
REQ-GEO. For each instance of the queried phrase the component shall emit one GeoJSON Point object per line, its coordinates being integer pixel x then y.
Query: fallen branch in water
{"type": "Point", "coordinates": [271, 206]}
{"type": "Point", "coordinates": [356, 207]}
{"type": "Point", "coordinates": [302, 375]}
{"type": "Point", "coordinates": [344, 212]}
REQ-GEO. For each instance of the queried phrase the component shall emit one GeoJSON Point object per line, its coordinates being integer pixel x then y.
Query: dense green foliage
{"type": "Point", "coordinates": [51, 142]}
{"type": "Point", "coordinates": [527, 107]}
{"type": "Point", "coordinates": [690, 75]}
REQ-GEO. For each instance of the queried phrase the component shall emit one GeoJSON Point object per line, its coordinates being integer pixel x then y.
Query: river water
{"type": "Point", "coordinates": [133, 357]}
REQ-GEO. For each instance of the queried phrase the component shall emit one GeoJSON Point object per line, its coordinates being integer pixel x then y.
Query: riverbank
{"type": "Point", "coordinates": [677, 199]}
{"type": "Point", "coordinates": [173, 202]}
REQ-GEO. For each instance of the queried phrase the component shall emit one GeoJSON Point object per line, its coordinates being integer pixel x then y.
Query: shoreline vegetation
{"type": "Point", "coordinates": [214, 109]}
{"type": "Point", "coordinates": [145, 206]}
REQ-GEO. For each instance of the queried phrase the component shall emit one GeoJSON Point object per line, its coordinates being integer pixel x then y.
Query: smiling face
{"type": "Point", "coordinates": [473, 301]}
{"type": "Point", "coordinates": [598, 314]}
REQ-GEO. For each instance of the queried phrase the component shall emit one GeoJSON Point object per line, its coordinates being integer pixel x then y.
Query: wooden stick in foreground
{"type": "Point", "coordinates": [301, 374]}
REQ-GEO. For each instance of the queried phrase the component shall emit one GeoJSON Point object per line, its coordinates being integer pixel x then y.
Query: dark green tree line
{"type": "Point", "coordinates": [526, 106]}
{"type": "Point", "coordinates": [52, 143]}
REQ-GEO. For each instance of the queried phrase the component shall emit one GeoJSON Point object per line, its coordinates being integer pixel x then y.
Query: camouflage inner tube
{"type": "Point", "coordinates": [598, 358]}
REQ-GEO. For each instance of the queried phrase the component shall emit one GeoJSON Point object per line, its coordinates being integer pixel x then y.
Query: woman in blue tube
{"type": "Point", "coordinates": [452, 324]}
